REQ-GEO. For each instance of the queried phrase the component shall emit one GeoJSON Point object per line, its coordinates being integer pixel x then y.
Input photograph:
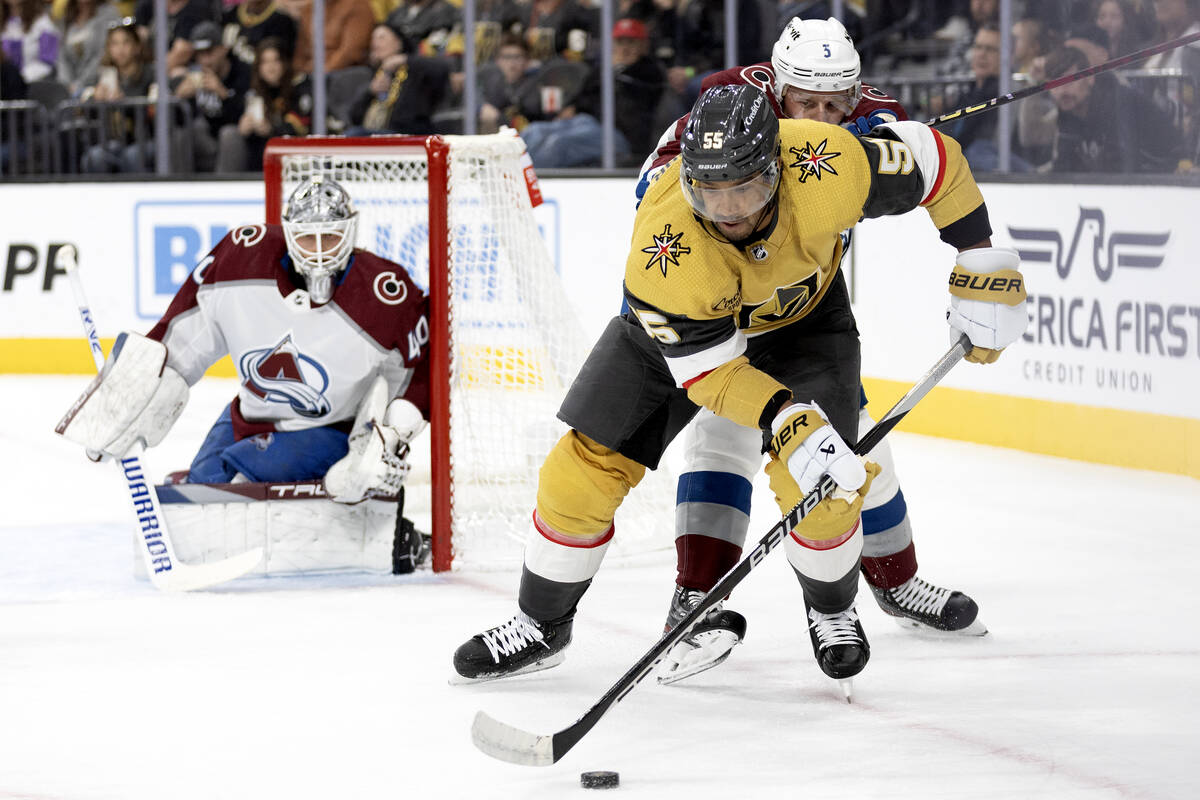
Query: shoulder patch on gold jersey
{"type": "Point", "coordinates": [666, 249]}
{"type": "Point", "coordinates": [813, 160]}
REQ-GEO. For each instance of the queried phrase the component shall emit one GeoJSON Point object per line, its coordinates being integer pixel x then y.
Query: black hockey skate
{"type": "Point", "coordinates": [410, 547]}
{"type": "Point", "coordinates": [709, 642]}
{"type": "Point", "coordinates": [839, 644]}
{"type": "Point", "coordinates": [518, 646]}
{"type": "Point", "coordinates": [919, 604]}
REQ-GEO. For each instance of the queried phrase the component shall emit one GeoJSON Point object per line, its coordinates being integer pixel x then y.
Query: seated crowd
{"type": "Point", "coordinates": [240, 72]}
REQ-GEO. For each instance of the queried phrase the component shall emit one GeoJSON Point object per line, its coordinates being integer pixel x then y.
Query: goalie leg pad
{"type": "Point", "coordinates": [135, 398]}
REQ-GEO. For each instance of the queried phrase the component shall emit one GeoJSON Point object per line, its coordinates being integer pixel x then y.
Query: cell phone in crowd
{"type": "Point", "coordinates": [108, 78]}
{"type": "Point", "coordinates": [196, 76]}
{"type": "Point", "coordinates": [255, 108]}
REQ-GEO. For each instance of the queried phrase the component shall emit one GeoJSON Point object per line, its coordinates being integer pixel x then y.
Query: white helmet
{"type": "Point", "coordinates": [816, 55]}
{"type": "Point", "coordinates": [319, 207]}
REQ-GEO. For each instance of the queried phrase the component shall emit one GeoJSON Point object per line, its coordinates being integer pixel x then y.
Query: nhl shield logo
{"type": "Point", "coordinates": [759, 252]}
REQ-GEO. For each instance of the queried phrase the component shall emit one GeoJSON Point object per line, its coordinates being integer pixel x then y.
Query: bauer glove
{"type": "Point", "coordinates": [987, 301]}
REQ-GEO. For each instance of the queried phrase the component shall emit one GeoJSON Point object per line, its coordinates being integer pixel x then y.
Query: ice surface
{"type": "Point", "coordinates": [336, 687]}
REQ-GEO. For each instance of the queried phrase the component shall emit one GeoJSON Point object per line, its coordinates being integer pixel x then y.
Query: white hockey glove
{"type": "Point", "coordinates": [987, 301]}
{"type": "Point", "coordinates": [377, 462]}
{"type": "Point", "coordinates": [808, 446]}
{"type": "Point", "coordinates": [135, 398]}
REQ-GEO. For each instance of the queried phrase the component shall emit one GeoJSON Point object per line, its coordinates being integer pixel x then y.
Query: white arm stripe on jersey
{"type": "Point", "coordinates": [922, 141]}
{"type": "Point", "coordinates": [686, 369]}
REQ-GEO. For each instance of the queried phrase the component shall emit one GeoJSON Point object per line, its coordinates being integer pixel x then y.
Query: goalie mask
{"type": "Point", "coordinates": [730, 149]}
{"type": "Point", "coordinates": [817, 55]}
{"type": "Point", "coordinates": [319, 224]}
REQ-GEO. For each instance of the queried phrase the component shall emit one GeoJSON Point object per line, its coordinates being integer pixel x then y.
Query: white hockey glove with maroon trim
{"type": "Point", "coordinates": [377, 464]}
{"type": "Point", "coordinates": [134, 399]}
{"type": "Point", "coordinates": [987, 301]}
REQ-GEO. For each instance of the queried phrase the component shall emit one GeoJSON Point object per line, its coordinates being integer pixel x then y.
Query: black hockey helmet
{"type": "Point", "coordinates": [730, 150]}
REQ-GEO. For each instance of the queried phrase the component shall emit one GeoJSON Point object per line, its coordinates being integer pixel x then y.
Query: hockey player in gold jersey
{"type": "Point", "coordinates": [737, 304]}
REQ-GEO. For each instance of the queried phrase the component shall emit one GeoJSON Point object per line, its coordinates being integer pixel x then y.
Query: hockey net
{"type": "Point", "coordinates": [505, 342]}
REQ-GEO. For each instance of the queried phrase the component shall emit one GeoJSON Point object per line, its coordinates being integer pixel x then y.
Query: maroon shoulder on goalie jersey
{"type": "Point", "coordinates": [763, 76]}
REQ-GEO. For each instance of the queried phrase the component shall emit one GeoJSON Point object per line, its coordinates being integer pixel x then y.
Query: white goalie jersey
{"type": "Point", "coordinates": [299, 366]}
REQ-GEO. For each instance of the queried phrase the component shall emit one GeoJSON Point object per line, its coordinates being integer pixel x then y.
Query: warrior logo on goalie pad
{"type": "Point", "coordinates": [283, 374]}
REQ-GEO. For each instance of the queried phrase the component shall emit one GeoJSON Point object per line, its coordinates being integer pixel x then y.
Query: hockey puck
{"type": "Point", "coordinates": [599, 780]}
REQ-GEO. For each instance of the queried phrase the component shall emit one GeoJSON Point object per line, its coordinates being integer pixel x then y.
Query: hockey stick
{"type": "Point", "coordinates": [507, 743]}
{"type": "Point", "coordinates": [1011, 97]}
{"type": "Point", "coordinates": [166, 571]}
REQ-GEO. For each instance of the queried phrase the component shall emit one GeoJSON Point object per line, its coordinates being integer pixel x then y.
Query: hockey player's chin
{"type": "Point", "coordinates": [735, 230]}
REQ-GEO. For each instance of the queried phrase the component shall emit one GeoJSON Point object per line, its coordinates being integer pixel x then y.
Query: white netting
{"type": "Point", "coordinates": [516, 341]}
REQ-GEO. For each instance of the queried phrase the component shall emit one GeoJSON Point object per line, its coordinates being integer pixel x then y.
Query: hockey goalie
{"type": "Point", "coordinates": [309, 459]}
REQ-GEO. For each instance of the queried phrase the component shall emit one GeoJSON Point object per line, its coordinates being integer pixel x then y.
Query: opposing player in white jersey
{"type": "Point", "coordinates": [814, 73]}
{"type": "Point", "coordinates": [329, 343]}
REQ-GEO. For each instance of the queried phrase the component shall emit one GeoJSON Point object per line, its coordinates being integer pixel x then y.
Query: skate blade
{"type": "Point", "coordinates": [976, 628]}
{"type": "Point", "coordinates": [674, 672]}
{"type": "Point", "coordinates": [847, 687]}
{"type": "Point", "coordinates": [537, 666]}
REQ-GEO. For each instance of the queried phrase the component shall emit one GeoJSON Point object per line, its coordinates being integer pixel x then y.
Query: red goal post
{"type": "Point", "coordinates": [457, 213]}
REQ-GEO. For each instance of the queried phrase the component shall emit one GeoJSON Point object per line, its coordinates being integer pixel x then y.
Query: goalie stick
{"type": "Point", "coordinates": [166, 571]}
{"type": "Point", "coordinates": [507, 743]}
{"type": "Point", "coordinates": [1011, 97]}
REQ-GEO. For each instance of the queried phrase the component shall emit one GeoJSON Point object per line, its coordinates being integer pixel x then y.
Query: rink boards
{"type": "Point", "coordinates": [1108, 371]}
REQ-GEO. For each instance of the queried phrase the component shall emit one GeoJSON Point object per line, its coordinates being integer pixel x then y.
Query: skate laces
{"type": "Point", "coordinates": [684, 601]}
{"type": "Point", "coordinates": [839, 628]}
{"type": "Point", "coordinates": [512, 636]}
{"type": "Point", "coordinates": [920, 596]}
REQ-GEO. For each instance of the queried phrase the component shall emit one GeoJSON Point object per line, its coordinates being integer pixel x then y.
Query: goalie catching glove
{"type": "Point", "coordinates": [134, 399]}
{"type": "Point", "coordinates": [376, 464]}
{"type": "Point", "coordinates": [987, 301]}
{"type": "Point", "coordinates": [804, 446]}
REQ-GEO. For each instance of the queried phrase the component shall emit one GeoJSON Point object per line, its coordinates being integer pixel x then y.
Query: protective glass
{"type": "Point", "coordinates": [726, 201]}
{"type": "Point", "coordinates": [843, 101]}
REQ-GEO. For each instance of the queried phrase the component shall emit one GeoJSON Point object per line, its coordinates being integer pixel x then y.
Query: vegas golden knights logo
{"type": "Point", "coordinates": [788, 302]}
{"type": "Point", "coordinates": [667, 249]}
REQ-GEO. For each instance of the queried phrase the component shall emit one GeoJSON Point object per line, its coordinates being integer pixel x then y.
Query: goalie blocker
{"type": "Point", "coordinates": [299, 528]}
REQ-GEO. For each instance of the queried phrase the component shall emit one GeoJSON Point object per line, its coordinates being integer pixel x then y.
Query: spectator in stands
{"type": "Point", "coordinates": [689, 40]}
{"type": "Point", "coordinates": [12, 85]}
{"type": "Point", "coordinates": [1089, 38]}
{"type": "Point", "coordinates": [217, 85]}
{"type": "Point", "coordinates": [30, 39]}
{"type": "Point", "coordinates": [502, 82]}
{"type": "Point", "coordinates": [124, 73]}
{"type": "Point", "coordinates": [1030, 40]}
{"type": "Point", "coordinates": [182, 17]}
{"type": "Point", "coordinates": [85, 28]}
{"type": "Point", "coordinates": [559, 27]}
{"type": "Point", "coordinates": [251, 22]}
{"type": "Point", "coordinates": [1106, 127]}
{"type": "Point", "coordinates": [1124, 26]}
{"type": "Point", "coordinates": [562, 104]}
{"type": "Point", "coordinates": [1176, 18]}
{"type": "Point", "coordinates": [960, 32]}
{"type": "Point", "coordinates": [638, 87]}
{"type": "Point", "coordinates": [404, 92]}
{"type": "Point", "coordinates": [279, 103]}
{"type": "Point", "coordinates": [417, 21]}
{"type": "Point", "coordinates": [348, 26]}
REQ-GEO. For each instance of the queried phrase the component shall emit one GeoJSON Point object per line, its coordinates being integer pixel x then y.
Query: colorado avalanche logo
{"type": "Point", "coordinates": [283, 374]}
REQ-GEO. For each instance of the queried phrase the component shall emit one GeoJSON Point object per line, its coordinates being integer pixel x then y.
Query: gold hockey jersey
{"type": "Point", "coordinates": [699, 296]}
